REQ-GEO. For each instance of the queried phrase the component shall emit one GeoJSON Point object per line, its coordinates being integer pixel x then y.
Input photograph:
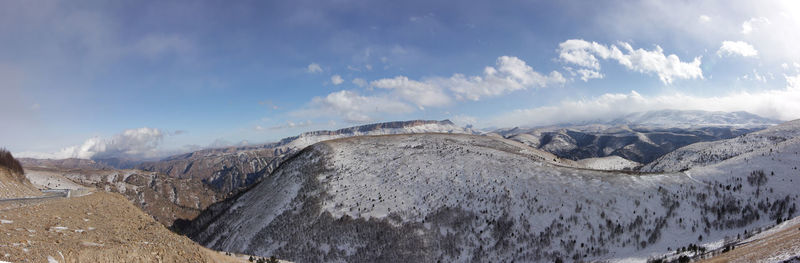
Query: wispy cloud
{"type": "Point", "coordinates": [753, 23]}
{"type": "Point", "coordinates": [313, 68]}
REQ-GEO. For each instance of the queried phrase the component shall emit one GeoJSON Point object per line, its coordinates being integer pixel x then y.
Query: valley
{"type": "Point", "coordinates": [431, 191]}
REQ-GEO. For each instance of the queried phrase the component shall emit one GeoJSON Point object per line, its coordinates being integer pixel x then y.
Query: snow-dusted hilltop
{"type": "Point", "coordinates": [397, 127]}
{"type": "Point", "coordinates": [609, 163]}
{"type": "Point", "coordinates": [459, 198]}
{"type": "Point", "coordinates": [227, 169]}
{"type": "Point", "coordinates": [706, 153]}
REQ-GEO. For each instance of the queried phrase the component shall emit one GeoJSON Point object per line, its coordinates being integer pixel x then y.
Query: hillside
{"type": "Point", "coordinates": [231, 168]}
{"type": "Point", "coordinates": [639, 144]}
{"type": "Point", "coordinates": [707, 153]}
{"type": "Point", "coordinates": [776, 244]}
{"type": "Point", "coordinates": [99, 227]}
{"type": "Point", "coordinates": [640, 137]}
{"type": "Point", "coordinates": [13, 183]}
{"type": "Point", "coordinates": [166, 199]}
{"type": "Point", "coordinates": [440, 197]}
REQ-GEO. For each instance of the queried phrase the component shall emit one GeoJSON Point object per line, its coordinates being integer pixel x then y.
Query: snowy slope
{"type": "Point", "coordinates": [706, 153]}
{"type": "Point", "coordinates": [232, 168]}
{"type": "Point", "coordinates": [458, 198]}
{"type": "Point", "coordinates": [609, 163]}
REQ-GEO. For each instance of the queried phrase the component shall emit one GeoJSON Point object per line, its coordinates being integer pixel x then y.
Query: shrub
{"type": "Point", "coordinates": [7, 160]}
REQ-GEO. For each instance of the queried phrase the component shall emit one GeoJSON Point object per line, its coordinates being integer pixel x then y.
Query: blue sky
{"type": "Point", "coordinates": [149, 78]}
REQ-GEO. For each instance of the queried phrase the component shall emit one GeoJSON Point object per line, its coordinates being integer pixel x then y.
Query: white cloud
{"type": "Point", "coordinates": [360, 82]}
{"type": "Point", "coordinates": [750, 25]}
{"type": "Point", "coordinates": [755, 77]}
{"type": "Point", "coordinates": [704, 18]}
{"type": "Point", "coordinates": [793, 82]}
{"type": "Point", "coordinates": [291, 124]}
{"type": "Point", "coordinates": [336, 79]}
{"type": "Point", "coordinates": [509, 74]}
{"type": "Point", "coordinates": [778, 104]}
{"type": "Point", "coordinates": [667, 67]}
{"type": "Point", "coordinates": [740, 48]}
{"type": "Point", "coordinates": [352, 107]}
{"type": "Point", "coordinates": [314, 68]}
{"type": "Point", "coordinates": [420, 93]}
{"type": "Point", "coordinates": [587, 74]}
{"type": "Point", "coordinates": [133, 143]}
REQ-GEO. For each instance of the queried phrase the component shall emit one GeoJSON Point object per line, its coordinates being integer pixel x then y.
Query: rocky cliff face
{"type": "Point", "coordinates": [164, 198]}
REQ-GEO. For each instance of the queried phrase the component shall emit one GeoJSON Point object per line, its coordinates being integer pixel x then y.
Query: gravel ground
{"type": "Point", "coordinates": [100, 227]}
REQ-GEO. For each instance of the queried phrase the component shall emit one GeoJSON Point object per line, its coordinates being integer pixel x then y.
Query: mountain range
{"type": "Point", "coordinates": [440, 197]}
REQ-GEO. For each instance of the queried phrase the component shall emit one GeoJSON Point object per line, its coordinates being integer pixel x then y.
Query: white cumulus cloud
{"type": "Point", "coordinates": [352, 107]}
{"type": "Point", "coordinates": [509, 74]}
{"type": "Point", "coordinates": [739, 48]}
{"type": "Point", "coordinates": [587, 74]}
{"type": "Point", "coordinates": [704, 18]}
{"type": "Point", "coordinates": [336, 79]}
{"type": "Point", "coordinates": [668, 67]}
{"type": "Point", "coordinates": [420, 93]}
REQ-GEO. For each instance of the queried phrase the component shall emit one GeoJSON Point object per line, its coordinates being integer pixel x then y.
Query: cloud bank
{"type": "Point", "coordinates": [777, 104]}
{"type": "Point", "coordinates": [141, 143]}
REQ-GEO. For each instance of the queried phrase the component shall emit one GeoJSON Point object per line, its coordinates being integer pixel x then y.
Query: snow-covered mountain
{"type": "Point", "coordinates": [637, 144]}
{"type": "Point", "coordinates": [707, 153]}
{"type": "Point", "coordinates": [459, 198]}
{"type": "Point", "coordinates": [231, 168]}
{"type": "Point", "coordinates": [640, 137]}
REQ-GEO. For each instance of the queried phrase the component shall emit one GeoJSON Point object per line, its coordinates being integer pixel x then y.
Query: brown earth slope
{"type": "Point", "coordinates": [99, 227]}
{"type": "Point", "coordinates": [14, 185]}
{"type": "Point", "coordinates": [779, 244]}
{"type": "Point", "coordinates": [164, 198]}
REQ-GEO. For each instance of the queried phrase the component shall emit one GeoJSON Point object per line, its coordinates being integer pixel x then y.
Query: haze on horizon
{"type": "Point", "coordinates": [151, 78]}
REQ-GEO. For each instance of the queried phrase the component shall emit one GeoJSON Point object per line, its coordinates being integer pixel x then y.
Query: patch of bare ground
{"type": "Point", "coordinates": [775, 247]}
{"type": "Point", "coordinates": [99, 227]}
{"type": "Point", "coordinates": [14, 185]}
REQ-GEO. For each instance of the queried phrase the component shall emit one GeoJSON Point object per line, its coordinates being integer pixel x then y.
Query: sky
{"type": "Point", "coordinates": [145, 79]}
